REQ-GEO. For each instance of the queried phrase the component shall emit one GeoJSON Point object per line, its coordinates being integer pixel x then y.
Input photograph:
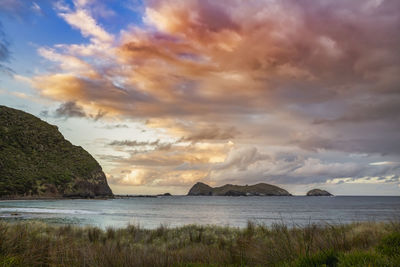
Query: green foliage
{"type": "Point", "coordinates": [390, 245]}
{"type": "Point", "coordinates": [9, 261]}
{"type": "Point", "coordinates": [35, 159]}
{"type": "Point", "coordinates": [328, 259]}
{"type": "Point", "coordinates": [362, 259]}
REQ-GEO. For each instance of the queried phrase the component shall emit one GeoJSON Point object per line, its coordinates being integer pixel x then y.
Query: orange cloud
{"type": "Point", "coordinates": [258, 72]}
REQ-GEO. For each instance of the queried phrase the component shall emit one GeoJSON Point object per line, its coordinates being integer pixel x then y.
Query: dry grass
{"type": "Point", "coordinates": [39, 244]}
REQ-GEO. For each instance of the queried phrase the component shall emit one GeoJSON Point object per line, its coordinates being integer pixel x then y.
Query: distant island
{"type": "Point", "coordinates": [139, 196]}
{"type": "Point", "coordinates": [318, 193]}
{"type": "Point", "coordinates": [261, 189]}
{"type": "Point", "coordinates": [37, 162]}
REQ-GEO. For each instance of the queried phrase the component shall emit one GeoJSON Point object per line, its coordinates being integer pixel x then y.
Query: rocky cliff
{"type": "Point", "coordinates": [261, 189]}
{"type": "Point", "coordinates": [36, 161]}
{"type": "Point", "coordinates": [318, 192]}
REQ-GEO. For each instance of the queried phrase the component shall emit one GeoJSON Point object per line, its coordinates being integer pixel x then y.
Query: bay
{"type": "Point", "coordinates": [173, 211]}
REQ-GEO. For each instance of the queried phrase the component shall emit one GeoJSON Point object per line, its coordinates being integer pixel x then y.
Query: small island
{"type": "Point", "coordinates": [261, 189]}
{"type": "Point", "coordinates": [318, 193]}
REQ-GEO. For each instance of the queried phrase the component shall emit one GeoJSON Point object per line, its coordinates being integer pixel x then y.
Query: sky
{"type": "Point", "coordinates": [165, 93]}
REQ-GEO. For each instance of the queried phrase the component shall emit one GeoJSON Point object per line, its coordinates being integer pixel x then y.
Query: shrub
{"type": "Point", "coordinates": [325, 258]}
{"type": "Point", "coordinates": [362, 259]}
{"type": "Point", "coordinates": [390, 245]}
{"type": "Point", "coordinates": [9, 261]}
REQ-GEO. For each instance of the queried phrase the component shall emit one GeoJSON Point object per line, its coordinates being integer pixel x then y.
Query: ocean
{"type": "Point", "coordinates": [172, 211]}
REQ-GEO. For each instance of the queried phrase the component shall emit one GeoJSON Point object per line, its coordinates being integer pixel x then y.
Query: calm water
{"type": "Point", "coordinates": [181, 210]}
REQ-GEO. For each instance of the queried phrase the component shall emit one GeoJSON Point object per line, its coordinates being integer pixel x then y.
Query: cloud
{"type": "Point", "coordinates": [156, 145]}
{"type": "Point", "coordinates": [68, 63]}
{"type": "Point", "coordinates": [372, 145]}
{"type": "Point", "coordinates": [4, 50]}
{"type": "Point", "coordinates": [115, 126]}
{"type": "Point", "coordinates": [292, 169]}
{"type": "Point", "coordinates": [161, 163]}
{"type": "Point", "coordinates": [386, 108]}
{"type": "Point", "coordinates": [211, 133]}
{"type": "Point", "coordinates": [70, 110]}
{"type": "Point", "coordinates": [184, 165]}
{"type": "Point", "coordinates": [13, 8]}
{"type": "Point", "coordinates": [313, 78]}
{"type": "Point", "coordinates": [188, 58]}
{"type": "Point", "coordinates": [17, 10]}
{"type": "Point", "coordinates": [365, 180]}
{"type": "Point", "coordinates": [81, 19]}
{"type": "Point", "coordinates": [241, 159]}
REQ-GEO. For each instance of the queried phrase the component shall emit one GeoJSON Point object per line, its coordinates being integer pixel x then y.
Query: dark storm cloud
{"type": "Point", "coordinates": [70, 110]}
{"type": "Point", "coordinates": [156, 145]}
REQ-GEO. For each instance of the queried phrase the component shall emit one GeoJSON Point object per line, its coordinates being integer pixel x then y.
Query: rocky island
{"type": "Point", "coordinates": [37, 162]}
{"type": "Point", "coordinates": [261, 189]}
{"type": "Point", "coordinates": [319, 193]}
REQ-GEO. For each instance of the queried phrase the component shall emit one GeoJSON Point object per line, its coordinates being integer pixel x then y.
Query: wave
{"type": "Point", "coordinates": [46, 210]}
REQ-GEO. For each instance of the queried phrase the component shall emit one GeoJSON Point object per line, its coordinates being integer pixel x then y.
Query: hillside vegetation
{"type": "Point", "coordinates": [36, 161]}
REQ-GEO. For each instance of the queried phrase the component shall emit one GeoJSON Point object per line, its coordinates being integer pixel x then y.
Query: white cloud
{"type": "Point", "coordinates": [68, 63]}
{"type": "Point", "coordinates": [241, 159]}
{"type": "Point", "coordinates": [36, 7]}
{"type": "Point", "coordinates": [380, 163]}
{"type": "Point", "coordinates": [365, 180]}
{"type": "Point", "coordinates": [81, 19]}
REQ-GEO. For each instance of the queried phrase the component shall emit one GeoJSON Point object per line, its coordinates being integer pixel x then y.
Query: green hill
{"type": "Point", "coordinates": [36, 161]}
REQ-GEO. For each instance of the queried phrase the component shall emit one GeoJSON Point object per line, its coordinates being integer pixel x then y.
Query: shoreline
{"type": "Point", "coordinates": [161, 195]}
{"type": "Point", "coordinates": [53, 198]}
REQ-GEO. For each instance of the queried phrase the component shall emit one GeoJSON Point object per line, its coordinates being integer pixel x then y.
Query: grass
{"type": "Point", "coordinates": [358, 244]}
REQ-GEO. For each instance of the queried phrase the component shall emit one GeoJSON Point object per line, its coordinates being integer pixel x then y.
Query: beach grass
{"type": "Point", "coordinates": [33, 243]}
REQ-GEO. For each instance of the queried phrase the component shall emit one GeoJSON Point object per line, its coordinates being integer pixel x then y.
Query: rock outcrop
{"type": "Point", "coordinates": [165, 195]}
{"type": "Point", "coordinates": [200, 189]}
{"type": "Point", "coordinates": [36, 161]}
{"type": "Point", "coordinates": [319, 193]}
{"type": "Point", "coordinates": [261, 189]}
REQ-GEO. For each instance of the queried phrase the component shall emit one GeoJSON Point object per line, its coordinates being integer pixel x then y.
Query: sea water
{"type": "Point", "coordinates": [175, 211]}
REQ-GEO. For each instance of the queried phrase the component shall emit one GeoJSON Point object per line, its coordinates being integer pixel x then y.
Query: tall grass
{"type": "Point", "coordinates": [357, 244]}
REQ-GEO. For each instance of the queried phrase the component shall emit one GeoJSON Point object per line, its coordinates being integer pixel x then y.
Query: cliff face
{"type": "Point", "coordinates": [262, 189]}
{"type": "Point", "coordinates": [36, 161]}
{"type": "Point", "coordinates": [318, 192]}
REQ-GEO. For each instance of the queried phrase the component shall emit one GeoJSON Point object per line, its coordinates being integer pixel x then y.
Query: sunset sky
{"type": "Point", "coordinates": [165, 93]}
